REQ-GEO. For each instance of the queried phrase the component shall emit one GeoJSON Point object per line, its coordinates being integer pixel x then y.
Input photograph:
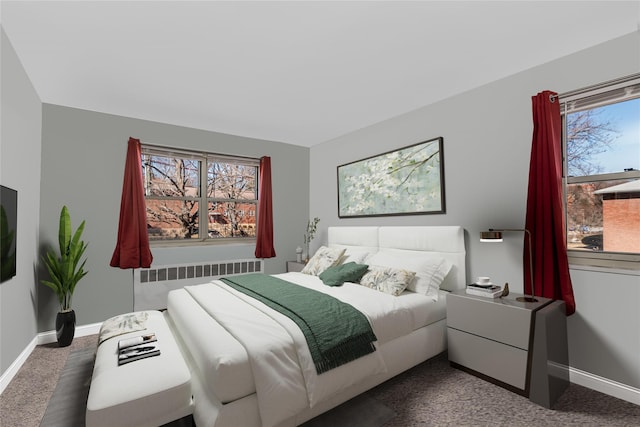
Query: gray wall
{"type": "Point", "coordinates": [487, 139]}
{"type": "Point", "coordinates": [84, 156]}
{"type": "Point", "coordinates": [19, 169]}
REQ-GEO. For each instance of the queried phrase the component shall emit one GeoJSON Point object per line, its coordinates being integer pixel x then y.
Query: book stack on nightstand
{"type": "Point", "coordinates": [484, 288]}
{"type": "Point", "coordinates": [489, 291]}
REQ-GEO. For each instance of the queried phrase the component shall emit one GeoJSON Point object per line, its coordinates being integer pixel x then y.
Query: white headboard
{"type": "Point", "coordinates": [445, 241]}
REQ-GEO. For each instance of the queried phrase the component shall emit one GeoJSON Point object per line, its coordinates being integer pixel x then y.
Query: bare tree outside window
{"type": "Point", "coordinates": [589, 133]}
{"type": "Point", "coordinates": [179, 193]}
{"type": "Point", "coordinates": [172, 190]}
{"type": "Point", "coordinates": [232, 191]}
{"type": "Point", "coordinates": [602, 151]}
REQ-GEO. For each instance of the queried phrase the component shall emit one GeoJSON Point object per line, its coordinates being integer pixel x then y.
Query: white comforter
{"type": "Point", "coordinates": [284, 373]}
{"type": "Point", "coordinates": [390, 316]}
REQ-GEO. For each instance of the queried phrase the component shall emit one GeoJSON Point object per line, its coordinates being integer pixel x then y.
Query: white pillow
{"type": "Point", "coordinates": [387, 279]}
{"type": "Point", "coordinates": [323, 258]}
{"type": "Point", "coordinates": [356, 256]}
{"type": "Point", "coordinates": [430, 269]}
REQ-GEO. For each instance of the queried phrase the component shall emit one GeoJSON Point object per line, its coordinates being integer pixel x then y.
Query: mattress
{"type": "Point", "coordinates": [223, 363]}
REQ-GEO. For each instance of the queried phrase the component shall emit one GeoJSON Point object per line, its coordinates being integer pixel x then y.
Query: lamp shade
{"type": "Point", "coordinates": [491, 236]}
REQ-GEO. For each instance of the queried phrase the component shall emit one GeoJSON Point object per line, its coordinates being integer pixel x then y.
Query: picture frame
{"type": "Point", "coordinates": [404, 181]}
{"type": "Point", "coordinates": [8, 232]}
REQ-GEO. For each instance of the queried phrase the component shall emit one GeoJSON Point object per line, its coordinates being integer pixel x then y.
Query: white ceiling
{"type": "Point", "coordinates": [296, 72]}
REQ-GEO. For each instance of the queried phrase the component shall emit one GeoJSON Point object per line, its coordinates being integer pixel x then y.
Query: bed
{"type": "Point", "coordinates": [251, 366]}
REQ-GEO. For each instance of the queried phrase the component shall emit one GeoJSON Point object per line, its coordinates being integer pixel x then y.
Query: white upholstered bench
{"type": "Point", "coordinates": [146, 392]}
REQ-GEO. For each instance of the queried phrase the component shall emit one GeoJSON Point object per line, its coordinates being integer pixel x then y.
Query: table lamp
{"type": "Point", "coordinates": [494, 235]}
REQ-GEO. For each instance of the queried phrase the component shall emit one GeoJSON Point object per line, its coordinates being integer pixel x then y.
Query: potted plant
{"type": "Point", "coordinates": [65, 274]}
{"type": "Point", "coordinates": [312, 226]}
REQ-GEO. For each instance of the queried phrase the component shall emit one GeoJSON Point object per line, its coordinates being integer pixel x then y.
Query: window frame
{"type": "Point", "coordinates": [204, 158]}
{"type": "Point", "coordinates": [600, 95]}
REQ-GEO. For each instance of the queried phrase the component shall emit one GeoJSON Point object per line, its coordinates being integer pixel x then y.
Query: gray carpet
{"type": "Point", "coordinates": [431, 394]}
{"type": "Point", "coordinates": [361, 411]}
{"type": "Point", "coordinates": [435, 394]}
{"type": "Point", "coordinates": [69, 400]}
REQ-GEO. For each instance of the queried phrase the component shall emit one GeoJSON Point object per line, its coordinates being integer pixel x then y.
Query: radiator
{"type": "Point", "coordinates": [152, 285]}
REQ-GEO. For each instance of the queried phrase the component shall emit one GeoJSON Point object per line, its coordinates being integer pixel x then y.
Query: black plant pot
{"type": "Point", "coordinates": [65, 327]}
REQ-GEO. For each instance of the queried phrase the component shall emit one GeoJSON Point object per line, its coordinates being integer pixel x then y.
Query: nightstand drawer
{"type": "Point", "coordinates": [502, 362]}
{"type": "Point", "coordinates": [502, 320]}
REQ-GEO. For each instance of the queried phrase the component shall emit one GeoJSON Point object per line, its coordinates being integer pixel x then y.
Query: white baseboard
{"type": "Point", "coordinates": [41, 338]}
{"type": "Point", "coordinates": [604, 385]}
{"type": "Point", "coordinates": [81, 331]}
{"type": "Point", "coordinates": [12, 370]}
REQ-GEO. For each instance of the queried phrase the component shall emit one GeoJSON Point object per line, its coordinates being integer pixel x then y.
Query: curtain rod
{"type": "Point", "coordinates": [620, 80]}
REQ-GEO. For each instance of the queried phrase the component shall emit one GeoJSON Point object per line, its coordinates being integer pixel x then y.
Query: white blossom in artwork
{"type": "Point", "coordinates": [403, 181]}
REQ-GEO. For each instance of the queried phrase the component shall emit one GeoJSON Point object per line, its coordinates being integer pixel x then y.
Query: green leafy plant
{"type": "Point", "coordinates": [312, 226]}
{"type": "Point", "coordinates": [7, 256]}
{"type": "Point", "coordinates": [63, 270]}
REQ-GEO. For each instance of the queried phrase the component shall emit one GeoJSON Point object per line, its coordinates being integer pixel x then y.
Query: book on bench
{"type": "Point", "coordinates": [140, 339]}
{"type": "Point", "coordinates": [137, 348]}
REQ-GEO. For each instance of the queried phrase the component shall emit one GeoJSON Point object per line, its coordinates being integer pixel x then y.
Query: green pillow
{"type": "Point", "coordinates": [349, 272]}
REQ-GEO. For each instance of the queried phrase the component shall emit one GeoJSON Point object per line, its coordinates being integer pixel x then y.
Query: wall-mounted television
{"type": "Point", "coordinates": [8, 231]}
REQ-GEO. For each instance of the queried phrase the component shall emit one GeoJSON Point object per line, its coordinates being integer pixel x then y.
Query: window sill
{"type": "Point", "coordinates": [212, 242]}
{"type": "Point", "coordinates": [607, 262]}
{"type": "Point", "coordinates": [608, 270]}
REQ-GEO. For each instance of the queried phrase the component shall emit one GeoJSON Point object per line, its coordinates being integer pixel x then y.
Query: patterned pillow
{"type": "Point", "coordinates": [387, 279]}
{"type": "Point", "coordinates": [430, 269]}
{"type": "Point", "coordinates": [323, 258]}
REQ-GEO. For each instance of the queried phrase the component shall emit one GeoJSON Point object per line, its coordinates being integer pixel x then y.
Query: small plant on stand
{"type": "Point", "coordinates": [312, 226]}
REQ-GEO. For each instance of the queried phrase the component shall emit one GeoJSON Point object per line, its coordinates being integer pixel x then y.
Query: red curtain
{"type": "Point", "coordinates": [264, 241]}
{"type": "Point", "coordinates": [545, 211]}
{"type": "Point", "coordinates": [132, 249]}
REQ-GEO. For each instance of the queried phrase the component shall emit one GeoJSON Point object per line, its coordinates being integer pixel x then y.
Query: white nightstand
{"type": "Point", "coordinates": [294, 266]}
{"type": "Point", "coordinates": [520, 346]}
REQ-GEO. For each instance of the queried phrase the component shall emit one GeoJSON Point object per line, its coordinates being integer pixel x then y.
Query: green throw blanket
{"type": "Point", "coordinates": [336, 333]}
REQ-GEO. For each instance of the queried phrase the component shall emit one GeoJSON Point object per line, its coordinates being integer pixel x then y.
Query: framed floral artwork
{"type": "Point", "coordinates": [406, 181]}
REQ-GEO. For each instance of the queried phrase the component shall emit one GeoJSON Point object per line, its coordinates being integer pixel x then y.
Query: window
{"type": "Point", "coordinates": [183, 187]}
{"type": "Point", "coordinates": [601, 140]}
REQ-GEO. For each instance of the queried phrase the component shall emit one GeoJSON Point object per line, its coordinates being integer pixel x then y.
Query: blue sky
{"type": "Point", "coordinates": [625, 151]}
